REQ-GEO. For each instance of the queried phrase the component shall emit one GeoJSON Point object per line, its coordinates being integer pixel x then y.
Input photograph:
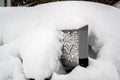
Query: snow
{"type": "Point", "coordinates": [10, 28]}
{"type": "Point", "coordinates": [32, 35]}
{"type": "Point", "coordinates": [18, 73]}
{"type": "Point", "coordinates": [7, 68]}
{"type": "Point", "coordinates": [45, 48]}
{"type": "Point", "coordinates": [98, 70]}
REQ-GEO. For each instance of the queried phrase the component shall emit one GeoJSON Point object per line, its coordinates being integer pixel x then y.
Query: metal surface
{"type": "Point", "coordinates": [83, 42]}
{"type": "Point", "coordinates": [75, 48]}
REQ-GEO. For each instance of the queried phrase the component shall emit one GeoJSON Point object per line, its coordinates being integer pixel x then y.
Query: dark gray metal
{"type": "Point", "coordinates": [83, 42]}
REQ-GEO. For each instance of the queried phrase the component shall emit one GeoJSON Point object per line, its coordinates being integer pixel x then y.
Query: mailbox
{"type": "Point", "coordinates": [75, 48]}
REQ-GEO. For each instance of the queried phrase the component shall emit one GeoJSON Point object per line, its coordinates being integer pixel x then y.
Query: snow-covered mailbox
{"type": "Point", "coordinates": [75, 48]}
{"type": "Point", "coordinates": [35, 54]}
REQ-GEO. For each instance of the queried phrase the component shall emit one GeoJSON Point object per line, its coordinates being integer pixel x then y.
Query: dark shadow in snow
{"type": "Point", "coordinates": [48, 78]}
{"type": "Point", "coordinates": [1, 42]}
{"type": "Point", "coordinates": [31, 79]}
{"type": "Point", "coordinates": [92, 53]}
{"type": "Point", "coordinates": [20, 59]}
{"type": "Point", "coordinates": [93, 46]}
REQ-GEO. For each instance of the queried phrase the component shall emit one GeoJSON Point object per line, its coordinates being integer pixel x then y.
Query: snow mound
{"type": "Point", "coordinates": [97, 70]}
{"type": "Point", "coordinates": [40, 54]}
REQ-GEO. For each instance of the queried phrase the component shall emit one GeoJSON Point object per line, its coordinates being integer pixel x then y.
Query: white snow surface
{"type": "Point", "coordinates": [7, 68]}
{"type": "Point", "coordinates": [32, 34]}
{"type": "Point", "coordinates": [98, 70]}
{"type": "Point", "coordinates": [48, 57]}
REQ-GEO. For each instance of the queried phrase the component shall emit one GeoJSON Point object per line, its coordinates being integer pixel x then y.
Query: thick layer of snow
{"type": "Point", "coordinates": [7, 68]}
{"type": "Point", "coordinates": [18, 73]}
{"type": "Point", "coordinates": [41, 59]}
{"type": "Point", "coordinates": [12, 23]}
{"type": "Point", "coordinates": [98, 70]}
{"type": "Point", "coordinates": [33, 34]}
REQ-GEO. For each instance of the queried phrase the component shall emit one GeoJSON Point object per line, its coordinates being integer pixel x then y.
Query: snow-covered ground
{"type": "Point", "coordinates": [31, 36]}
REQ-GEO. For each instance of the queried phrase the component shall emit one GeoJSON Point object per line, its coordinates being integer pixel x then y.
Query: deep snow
{"type": "Point", "coordinates": [32, 34]}
{"type": "Point", "coordinates": [97, 70]}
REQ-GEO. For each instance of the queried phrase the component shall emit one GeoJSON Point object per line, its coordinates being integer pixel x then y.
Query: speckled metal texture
{"type": "Point", "coordinates": [75, 46]}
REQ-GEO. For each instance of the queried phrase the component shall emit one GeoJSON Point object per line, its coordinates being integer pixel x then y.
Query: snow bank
{"type": "Point", "coordinates": [97, 70]}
